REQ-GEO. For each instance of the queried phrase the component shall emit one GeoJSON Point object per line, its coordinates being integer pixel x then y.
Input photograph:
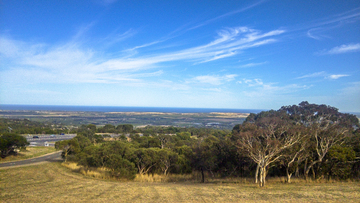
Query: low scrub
{"type": "Point", "coordinates": [165, 178]}
{"type": "Point", "coordinates": [99, 173]}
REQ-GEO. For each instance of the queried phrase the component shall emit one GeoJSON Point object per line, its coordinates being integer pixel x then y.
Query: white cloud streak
{"type": "Point", "coordinates": [324, 75]}
{"type": "Point", "coordinates": [316, 28]}
{"type": "Point", "coordinates": [312, 75]}
{"type": "Point", "coordinates": [345, 48]}
{"type": "Point", "coordinates": [72, 63]}
{"type": "Point", "coordinates": [212, 79]}
{"type": "Point", "coordinates": [261, 89]}
{"type": "Point", "coordinates": [248, 65]}
{"type": "Point", "coordinates": [334, 77]}
{"type": "Point", "coordinates": [227, 14]}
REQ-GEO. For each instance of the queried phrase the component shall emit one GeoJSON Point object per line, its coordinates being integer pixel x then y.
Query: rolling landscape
{"type": "Point", "coordinates": [165, 163]}
{"type": "Point", "coordinates": [74, 118]}
{"type": "Point", "coordinates": [179, 101]}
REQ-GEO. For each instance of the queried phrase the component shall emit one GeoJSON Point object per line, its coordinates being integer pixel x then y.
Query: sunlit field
{"type": "Point", "coordinates": [52, 182]}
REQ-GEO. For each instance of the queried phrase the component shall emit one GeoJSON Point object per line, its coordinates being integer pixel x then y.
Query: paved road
{"type": "Point", "coordinates": [47, 139]}
{"type": "Point", "coordinates": [46, 158]}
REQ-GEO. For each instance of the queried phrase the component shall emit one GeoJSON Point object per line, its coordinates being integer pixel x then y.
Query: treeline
{"type": "Point", "coordinates": [108, 128]}
{"type": "Point", "coordinates": [307, 140]}
{"type": "Point", "coordinates": [25, 126]}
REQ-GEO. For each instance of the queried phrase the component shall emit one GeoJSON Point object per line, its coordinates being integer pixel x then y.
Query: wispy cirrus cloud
{"type": "Point", "coordinates": [312, 75]}
{"type": "Point", "coordinates": [334, 77]}
{"type": "Point", "coordinates": [248, 65]}
{"type": "Point", "coordinates": [116, 37]}
{"type": "Point", "coordinates": [316, 28]}
{"type": "Point", "coordinates": [212, 79]}
{"type": "Point", "coordinates": [251, 82]}
{"type": "Point", "coordinates": [345, 17]}
{"type": "Point", "coordinates": [324, 75]}
{"type": "Point", "coordinates": [227, 15]}
{"type": "Point", "coordinates": [71, 62]}
{"type": "Point", "coordinates": [345, 48]}
{"type": "Point", "coordinates": [258, 88]}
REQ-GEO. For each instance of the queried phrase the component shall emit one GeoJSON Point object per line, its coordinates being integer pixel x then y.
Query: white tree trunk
{"type": "Point", "coordinates": [262, 176]}
{"type": "Point", "coordinates": [288, 175]}
{"type": "Point", "coordinates": [257, 174]}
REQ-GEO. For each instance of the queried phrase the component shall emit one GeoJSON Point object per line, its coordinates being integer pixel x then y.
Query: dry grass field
{"type": "Point", "coordinates": [30, 152]}
{"type": "Point", "coordinates": [52, 182]}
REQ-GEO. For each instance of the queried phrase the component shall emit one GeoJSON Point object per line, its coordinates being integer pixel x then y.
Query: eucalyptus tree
{"type": "Point", "coordinates": [265, 138]}
{"type": "Point", "coordinates": [145, 159]}
{"type": "Point", "coordinates": [327, 128]}
{"type": "Point", "coordinates": [70, 148]}
{"type": "Point", "coordinates": [294, 156]}
{"type": "Point", "coordinates": [167, 158]}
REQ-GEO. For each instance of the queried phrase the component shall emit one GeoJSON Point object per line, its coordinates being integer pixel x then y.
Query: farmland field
{"type": "Point", "coordinates": [51, 182]}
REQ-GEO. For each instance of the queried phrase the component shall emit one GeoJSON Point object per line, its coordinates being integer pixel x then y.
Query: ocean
{"type": "Point", "coordinates": [123, 109]}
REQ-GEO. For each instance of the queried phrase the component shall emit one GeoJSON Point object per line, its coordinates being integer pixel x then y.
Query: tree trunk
{"type": "Point", "coordinates": [313, 172]}
{"type": "Point", "coordinates": [310, 167]}
{"type": "Point", "coordinates": [257, 174]}
{"type": "Point", "coordinates": [288, 175]}
{"type": "Point", "coordinates": [65, 155]}
{"type": "Point", "coordinates": [305, 170]}
{"type": "Point", "coordinates": [262, 176]}
{"type": "Point", "coordinates": [202, 175]}
{"type": "Point", "coordinates": [297, 173]}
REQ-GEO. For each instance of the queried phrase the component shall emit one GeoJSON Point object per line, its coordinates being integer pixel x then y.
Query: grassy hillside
{"type": "Point", "coordinates": [30, 152]}
{"type": "Point", "coordinates": [52, 182]}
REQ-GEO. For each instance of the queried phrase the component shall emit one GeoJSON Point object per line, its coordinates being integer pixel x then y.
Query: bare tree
{"type": "Point", "coordinates": [265, 140]}
{"type": "Point", "coordinates": [325, 136]}
{"type": "Point", "coordinates": [294, 156]}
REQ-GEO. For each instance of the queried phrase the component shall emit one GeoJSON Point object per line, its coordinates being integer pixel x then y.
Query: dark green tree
{"type": "Point", "coordinates": [11, 141]}
{"type": "Point", "coordinates": [205, 155]}
{"type": "Point", "coordinates": [70, 148]}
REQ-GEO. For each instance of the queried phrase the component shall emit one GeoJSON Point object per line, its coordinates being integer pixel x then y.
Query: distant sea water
{"type": "Point", "coordinates": [123, 109]}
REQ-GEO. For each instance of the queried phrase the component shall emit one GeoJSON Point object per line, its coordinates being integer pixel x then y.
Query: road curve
{"type": "Point", "coordinates": [55, 156]}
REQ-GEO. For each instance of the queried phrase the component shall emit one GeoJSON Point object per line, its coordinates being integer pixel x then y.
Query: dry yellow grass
{"type": "Point", "coordinates": [30, 152]}
{"type": "Point", "coordinates": [51, 182]}
{"type": "Point", "coordinates": [100, 173]}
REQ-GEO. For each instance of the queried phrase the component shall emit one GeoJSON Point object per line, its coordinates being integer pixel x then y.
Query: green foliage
{"type": "Point", "coordinates": [11, 141]}
{"type": "Point", "coordinates": [120, 167]}
{"type": "Point", "coordinates": [83, 141]}
{"type": "Point", "coordinates": [125, 128]}
{"type": "Point", "coordinates": [293, 137]}
{"type": "Point", "coordinates": [108, 128]}
{"type": "Point", "coordinates": [70, 148]}
{"type": "Point", "coordinates": [337, 162]}
{"type": "Point", "coordinates": [145, 159]}
{"type": "Point", "coordinates": [25, 126]}
{"type": "Point", "coordinates": [167, 158]}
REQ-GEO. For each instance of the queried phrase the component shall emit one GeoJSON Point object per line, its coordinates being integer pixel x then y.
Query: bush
{"type": "Point", "coordinates": [121, 168]}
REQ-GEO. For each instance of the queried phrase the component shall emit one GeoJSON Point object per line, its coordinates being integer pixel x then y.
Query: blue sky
{"type": "Point", "coordinates": [210, 54]}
